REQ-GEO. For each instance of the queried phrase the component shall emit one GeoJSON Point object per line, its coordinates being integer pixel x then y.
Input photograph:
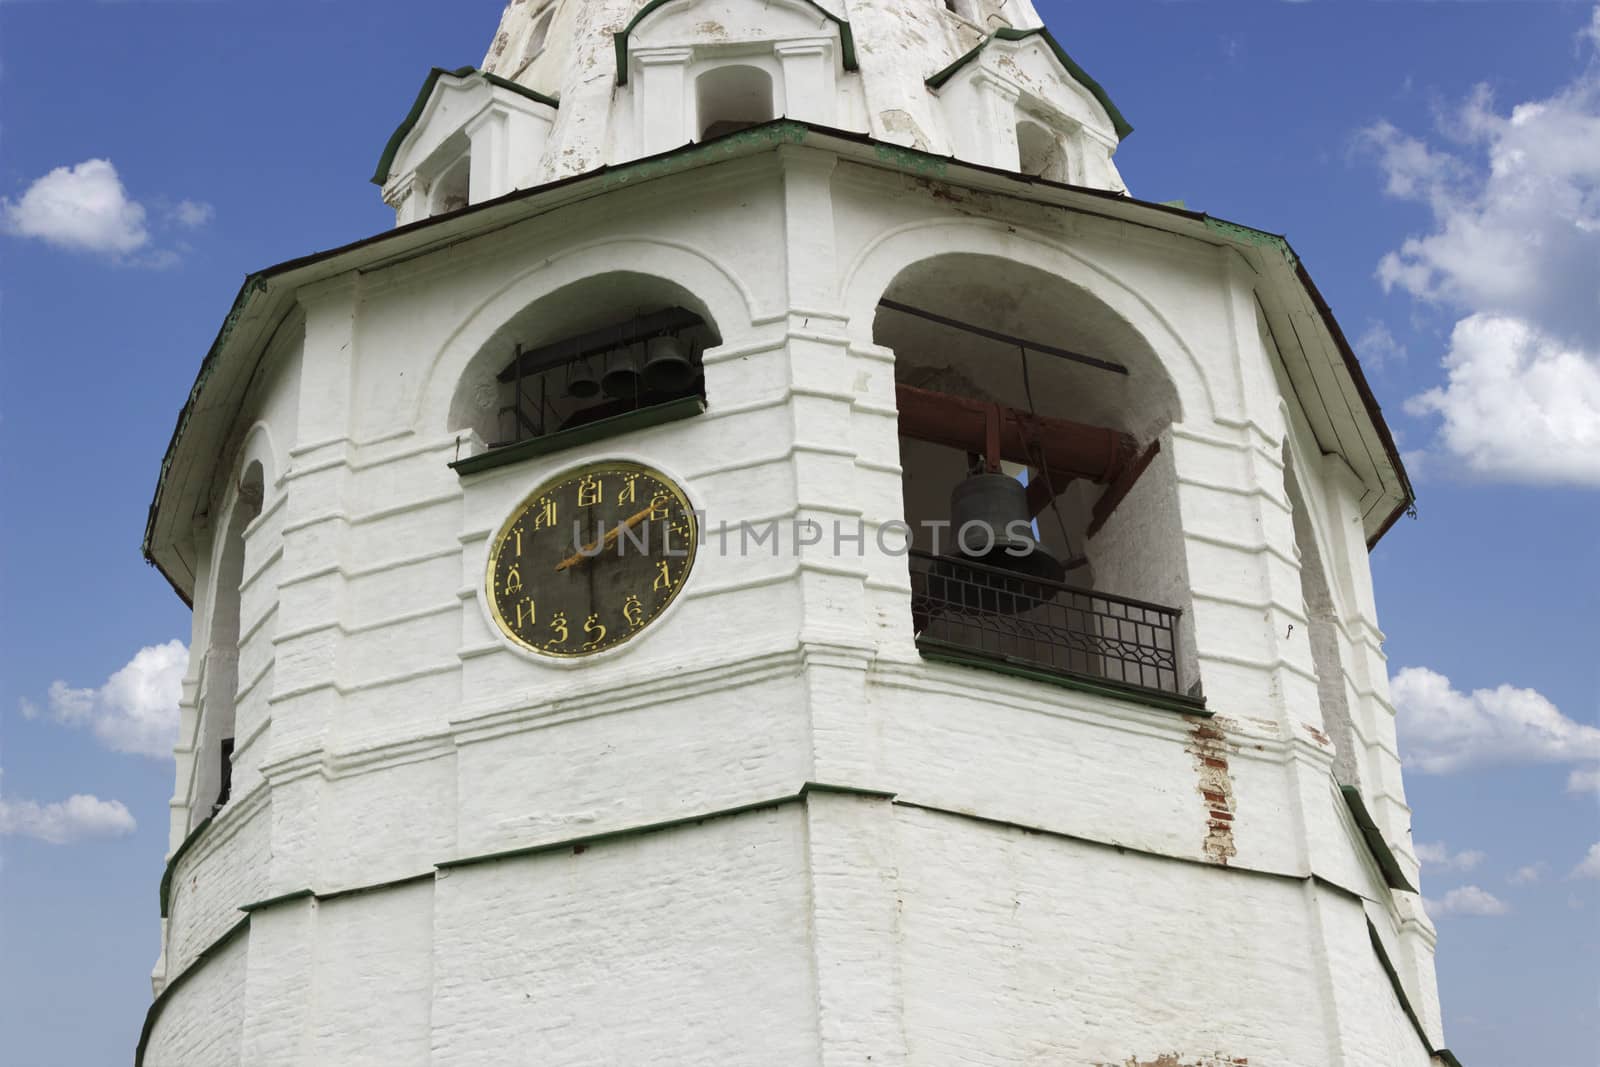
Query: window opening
{"type": "Point", "coordinates": [733, 98]}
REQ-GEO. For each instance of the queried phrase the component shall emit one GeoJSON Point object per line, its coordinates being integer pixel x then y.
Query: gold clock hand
{"type": "Point", "coordinates": [583, 555]}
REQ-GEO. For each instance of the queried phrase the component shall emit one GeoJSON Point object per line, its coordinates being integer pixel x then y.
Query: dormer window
{"type": "Point", "coordinates": [733, 98]}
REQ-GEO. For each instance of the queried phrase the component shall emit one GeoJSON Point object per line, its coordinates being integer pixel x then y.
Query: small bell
{"type": "Point", "coordinates": [666, 366]}
{"type": "Point", "coordinates": [621, 379]}
{"type": "Point", "coordinates": [582, 384]}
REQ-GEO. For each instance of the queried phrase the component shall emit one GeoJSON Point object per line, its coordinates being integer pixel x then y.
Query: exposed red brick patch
{"type": "Point", "coordinates": [1209, 747]}
{"type": "Point", "coordinates": [1317, 735]}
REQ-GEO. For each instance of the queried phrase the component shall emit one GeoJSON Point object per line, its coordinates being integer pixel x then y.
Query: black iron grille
{"type": "Point", "coordinates": [969, 608]}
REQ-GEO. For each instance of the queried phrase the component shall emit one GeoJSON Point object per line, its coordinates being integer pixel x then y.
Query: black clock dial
{"type": "Point", "coordinates": [590, 559]}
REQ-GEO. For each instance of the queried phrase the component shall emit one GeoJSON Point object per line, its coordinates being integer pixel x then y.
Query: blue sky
{"type": "Point", "coordinates": [1437, 165]}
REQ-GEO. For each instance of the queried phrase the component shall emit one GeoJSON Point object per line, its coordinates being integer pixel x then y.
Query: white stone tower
{"type": "Point", "coordinates": [803, 267]}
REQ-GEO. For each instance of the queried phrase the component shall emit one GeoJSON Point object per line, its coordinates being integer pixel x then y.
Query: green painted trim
{"type": "Point", "coordinates": [599, 430]}
{"type": "Point", "coordinates": [361, 890]}
{"type": "Point", "coordinates": [847, 37]}
{"type": "Point", "coordinates": [578, 843]}
{"type": "Point", "coordinates": [1392, 874]}
{"type": "Point", "coordinates": [272, 902]}
{"type": "Point", "coordinates": [390, 150]}
{"type": "Point", "coordinates": [172, 864]}
{"type": "Point", "coordinates": [1399, 987]}
{"type": "Point", "coordinates": [1446, 1057]}
{"type": "Point", "coordinates": [1078, 74]}
{"type": "Point", "coordinates": [1238, 233]}
{"type": "Point", "coordinates": [941, 652]}
{"type": "Point", "coordinates": [158, 1005]}
{"type": "Point", "coordinates": [844, 791]}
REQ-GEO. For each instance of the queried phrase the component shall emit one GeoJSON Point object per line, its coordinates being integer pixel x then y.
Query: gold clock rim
{"type": "Point", "coordinates": [516, 513]}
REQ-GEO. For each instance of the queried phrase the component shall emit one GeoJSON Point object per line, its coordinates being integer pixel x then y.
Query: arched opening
{"type": "Point", "coordinates": [213, 774]}
{"type": "Point", "coordinates": [597, 349]}
{"type": "Point", "coordinates": [537, 38]}
{"type": "Point", "coordinates": [1004, 369]}
{"type": "Point", "coordinates": [1322, 622]}
{"type": "Point", "coordinates": [733, 98]}
{"type": "Point", "coordinates": [967, 9]}
{"type": "Point", "coordinates": [452, 189]}
{"type": "Point", "coordinates": [1040, 152]}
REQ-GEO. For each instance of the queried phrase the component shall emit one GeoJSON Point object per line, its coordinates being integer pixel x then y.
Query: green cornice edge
{"type": "Point", "coordinates": [172, 864]}
{"type": "Point", "coordinates": [847, 37]}
{"type": "Point", "coordinates": [172, 987]}
{"type": "Point", "coordinates": [1444, 1055]}
{"type": "Point", "coordinates": [1081, 76]}
{"type": "Point", "coordinates": [390, 150]}
{"type": "Point", "coordinates": [1380, 849]}
{"type": "Point", "coordinates": [955, 655]}
{"type": "Point", "coordinates": [644, 418]}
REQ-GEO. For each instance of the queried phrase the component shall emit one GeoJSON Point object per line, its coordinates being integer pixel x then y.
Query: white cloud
{"type": "Point", "coordinates": [1378, 348]}
{"type": "Point", "coordinates": [28, 709]}
{"type": "Point", "coordinates": [73, 819]}
{"type": "Point", "coordinates": [1515, 200]}
{"type": "Point", "coordinates": [193, 213]}
{"type": "Point", "coordinates": [83, 208]}
{"type": "Point", "coordinates": [1467, 900]}
{"type": "Point", "coordinates": [1519, 405]}
{"type": "Point", "coordinates": [1584, 780]}
{"type": "Point", "coordinates": [1438, 855]}
{"type": "Point", "coordinates": [1527, 875]}
{"type": "Point", "coordinates": [136, 710]}
{"type": "Point", "coordinates": [1590, 867]}
{"type": "Point", "coordinates": [1443, 730]}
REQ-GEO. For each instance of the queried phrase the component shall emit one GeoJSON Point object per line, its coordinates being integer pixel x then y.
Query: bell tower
{"type": "Point", "coordinates": [778, 558]}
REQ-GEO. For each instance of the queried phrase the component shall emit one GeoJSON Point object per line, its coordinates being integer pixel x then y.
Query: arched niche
{"type": "Point", "coordinates": [1320, 600]}
{"type": "Point", "coordinates": [1133, 551]}
{"type": "Point", "coordinates": [594, 305]}
{"type": "Point", "coordinates": [465, 366]}
{"type": "Point", "coordinates": [1041, 152]}
{"type": "Point", "coordinates": [213, 748]}
{"type": "Point", "coordinates": [452, 189]}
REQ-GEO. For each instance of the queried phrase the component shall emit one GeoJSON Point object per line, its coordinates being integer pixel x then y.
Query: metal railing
{"type": "Point", "coordinates": [958, 605]}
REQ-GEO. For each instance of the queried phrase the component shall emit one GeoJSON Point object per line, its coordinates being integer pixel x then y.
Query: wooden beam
{"type": "Point", "coordinates": [1119, 489]}
{"type": "Point", "coordinates": [1070, 449]}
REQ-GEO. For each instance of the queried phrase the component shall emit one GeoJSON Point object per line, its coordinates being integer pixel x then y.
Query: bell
{"type": "Point", "coordinates": [989, 513]}
{"type": "Point", "coordinates": [621, 379]}
{"type": "Point", "coordinates": [666, 367]}
{"type": "Point", "coordinates": [581, 381]}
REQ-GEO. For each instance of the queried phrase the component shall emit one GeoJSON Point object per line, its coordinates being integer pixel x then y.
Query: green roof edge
{"type": "Point", "coordinates": [1444, 1055]}
{"type": "Point", "coordinates": [847, 37]}
{"type": "Point", "coordinates": [1381, 850]}
{"type": "Point", "coordinates": [1081, 76]}
{"type": "Point", "coordinates": [392, 149]}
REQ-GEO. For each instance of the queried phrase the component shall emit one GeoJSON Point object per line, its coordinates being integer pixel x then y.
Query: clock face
{"type": "Point", "coordinates": [590, 559]}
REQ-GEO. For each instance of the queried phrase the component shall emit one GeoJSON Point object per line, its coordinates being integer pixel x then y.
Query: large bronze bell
{"type": "Point", "coordinates": [989, 513]}
{"type": "Point", "coordinates": [666, 365]}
